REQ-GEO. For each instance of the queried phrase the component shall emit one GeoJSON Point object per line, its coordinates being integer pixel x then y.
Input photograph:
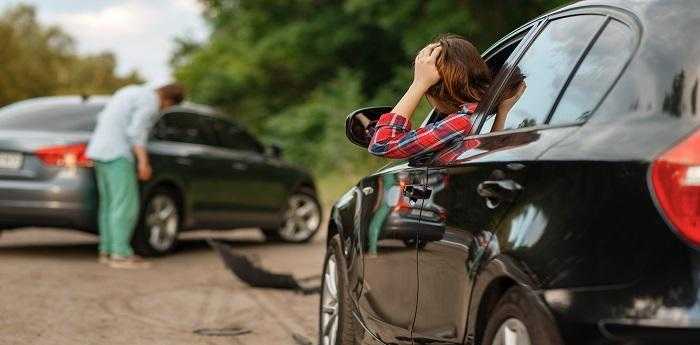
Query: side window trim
{"type": "Point", "coordinates": [545, 22]}
{"type": "Point", "coordinates": [483, 111]}
{"type": "Point", "coordinates": [571, 75]}
{"type": "Point", "coordinates": [636, 31]}
{"type": "Point", "coordinates": [610, 14]}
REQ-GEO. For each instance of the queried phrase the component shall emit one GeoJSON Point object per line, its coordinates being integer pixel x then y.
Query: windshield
{"type": "Point", "coordinates": [50, 116]}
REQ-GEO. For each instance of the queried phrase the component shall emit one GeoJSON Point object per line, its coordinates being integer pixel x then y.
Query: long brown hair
{"type": "Point", "coordinates": [464, 75]}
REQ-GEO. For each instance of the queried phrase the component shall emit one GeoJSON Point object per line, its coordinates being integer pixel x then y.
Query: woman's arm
{"type": "Point", "coordinates": [425, 75]}
{"type": "Point", "coordinates": [504, 108]}
{"type": "Point", "coordinates": [395, 139]}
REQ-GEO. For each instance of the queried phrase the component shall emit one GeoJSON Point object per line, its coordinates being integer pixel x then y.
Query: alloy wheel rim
{"type": "Point", "coordinates": [512, 332]}
{"type": "Point", "coordinates": [301, 219]}
{"type": "Point", "coordinates": [162, 222]}
{"type": "Point", "coordinates": [330, 303]}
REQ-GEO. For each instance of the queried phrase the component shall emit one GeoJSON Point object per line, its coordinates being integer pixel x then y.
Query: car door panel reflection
{"type": "Point", "coordinates": [389, 226]}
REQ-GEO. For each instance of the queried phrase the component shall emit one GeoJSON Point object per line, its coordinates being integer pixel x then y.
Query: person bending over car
{"type": "Point", "coordinates": [454, 78]}
{"type": "Point", "coordinates": [121, 132]}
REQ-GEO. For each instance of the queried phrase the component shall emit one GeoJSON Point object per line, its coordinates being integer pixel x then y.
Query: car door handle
{"type": "Point", "coordinates": [496, 192]}
{"type": "Point", "coordinates": [183, 161]}
{"type": "Point", "coordinates": [416, 192]}
{"type": "Point", "coordinates": [239, 166]}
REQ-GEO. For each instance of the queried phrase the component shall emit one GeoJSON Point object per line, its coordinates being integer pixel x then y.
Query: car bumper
{"type": "Point", "coordinates": [627, 315]}
{"type": "Point", "coordinates": [67, 200]}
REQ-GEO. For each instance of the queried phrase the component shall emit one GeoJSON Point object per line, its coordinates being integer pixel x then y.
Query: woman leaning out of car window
{"type": "Point", "coordinates": [454, 78]}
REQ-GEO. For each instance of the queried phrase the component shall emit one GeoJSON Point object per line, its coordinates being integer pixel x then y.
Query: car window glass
{"type": "Point", "coordinates": [183, 128]}
{"type": "Point", "coordinates": [496, 61]}
{"type": "Point", "coordinates": [51, 117]}
{"type": "Point", "coordinates": [235, 137]}
{"type": "Point", "coordinates": [206, 125]}
{"type": "Point", "coordinates": [545, 67]}
{"type": "Point", "coordinates": [596, 74]}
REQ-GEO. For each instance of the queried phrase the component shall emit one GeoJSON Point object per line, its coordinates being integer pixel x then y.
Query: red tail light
{"type": "Point", "coordinates": [66, 155]}
{"type": "Point", "coordinates": [675, 177]}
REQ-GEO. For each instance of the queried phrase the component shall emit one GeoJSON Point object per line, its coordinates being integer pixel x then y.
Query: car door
{"type": "Point", "coordinates": [185, 149]}
{"type": "Point", "coordinates": [389, 224]}
{"type": "Point", "coordinates": [584, 204]}
{"type": "Point", "coordinates": [257, 181]}
{"type": "Point", "coordinates": [477, 180]}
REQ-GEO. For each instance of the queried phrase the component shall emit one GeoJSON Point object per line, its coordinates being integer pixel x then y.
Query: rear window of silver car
{"type": "Point", "coordinates": [50, 116]}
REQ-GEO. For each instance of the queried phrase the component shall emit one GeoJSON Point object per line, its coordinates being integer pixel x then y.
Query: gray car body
{"type": "Point", "coordinates": [218, 188]}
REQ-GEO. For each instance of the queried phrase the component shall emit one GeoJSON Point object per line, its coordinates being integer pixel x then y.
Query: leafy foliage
{"type": "Point", "coordinates": [292, 69]}
{"type": "Point", "coordinates": [38, 61]}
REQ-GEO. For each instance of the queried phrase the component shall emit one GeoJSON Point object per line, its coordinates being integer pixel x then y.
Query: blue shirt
{"type": "Point", "coordinates": [124, 122]}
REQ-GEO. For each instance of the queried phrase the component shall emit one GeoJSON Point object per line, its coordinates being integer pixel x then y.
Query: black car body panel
{"type": "Point", "coordinates": [578, 224]}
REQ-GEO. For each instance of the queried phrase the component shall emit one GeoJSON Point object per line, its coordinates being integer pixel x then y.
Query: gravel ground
{"type": "Point", "coordinates": [52, 291]}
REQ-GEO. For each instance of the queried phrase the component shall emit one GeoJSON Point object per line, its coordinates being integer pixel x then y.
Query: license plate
{"type": "Point", "coordinates": [10, 161]}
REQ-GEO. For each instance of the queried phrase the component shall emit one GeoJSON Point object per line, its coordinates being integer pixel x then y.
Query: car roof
{"type": "Point", "coordinates": [190, 107]}
{"type": "Point", "coordinates": [60, 100]}
{"type": "Point", "coordinates": [48, 101]}
{"type": "Point", "coordinates": [658, 18]}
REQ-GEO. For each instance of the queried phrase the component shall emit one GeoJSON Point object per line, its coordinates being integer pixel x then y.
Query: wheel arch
{"type": "Point", "coordinates": [334, 226]}
{"type": "Point", "coordinates": [494, 279]}
{"type": "Point", "coordinates": [306, 183]}
{"type": "Point", "coordinates": [174, 187]}
{"type": "Point", "coordinates": [488, 301]}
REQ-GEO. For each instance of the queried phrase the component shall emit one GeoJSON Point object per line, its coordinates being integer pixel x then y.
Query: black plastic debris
{"type": "Point", "coordinates": [247, 271]}
{"type": "Point", "coordinates": [222, 332]}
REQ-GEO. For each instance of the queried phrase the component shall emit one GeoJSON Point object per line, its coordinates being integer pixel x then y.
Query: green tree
{"type": "Point", "coordinates": [292, 69]}
{"type": "Point", "coordinates": [37, 60]}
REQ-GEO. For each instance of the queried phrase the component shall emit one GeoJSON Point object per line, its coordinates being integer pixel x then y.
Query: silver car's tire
{"type": "Point", "coordinates": [301, 219]}
{"type": "Point", "coordinates": [335, 315]}
{"type": "Point", "coordinates": [159, 224]}
{"type": "Point", "coordinates": [520, 318]}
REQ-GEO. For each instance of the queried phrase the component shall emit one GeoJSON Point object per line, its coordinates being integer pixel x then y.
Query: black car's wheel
{"type": "Point", "coordinates": [335, 315]}
{"type": "Point", "coordinates": [159, 224]}
{"type": "Point", "coordinates": [519, 319]}
{"type": "Point", "coordinates": [302, 218]}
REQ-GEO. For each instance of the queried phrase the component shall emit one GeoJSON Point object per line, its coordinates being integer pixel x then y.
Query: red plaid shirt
{"type": "Point", "coordinates": [394, 138]}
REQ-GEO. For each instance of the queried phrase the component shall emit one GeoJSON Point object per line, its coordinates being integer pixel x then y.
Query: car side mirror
{"type": "Point", "coordinates": [359, 123]}
{"type": "Point", "coordinates": [275, 151]}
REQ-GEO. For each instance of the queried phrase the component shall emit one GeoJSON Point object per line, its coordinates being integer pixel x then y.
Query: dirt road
{"type": "Point", "coordinates": [52, 291]}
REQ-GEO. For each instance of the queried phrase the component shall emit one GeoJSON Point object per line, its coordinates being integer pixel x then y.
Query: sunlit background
{"type": "Point", "coordinates": [289, 70]}
{"type": "Point", "coordinates": [140, 33]}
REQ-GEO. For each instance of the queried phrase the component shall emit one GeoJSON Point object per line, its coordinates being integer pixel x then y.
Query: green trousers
{"type": "Point", "coordinates": [119, 205]}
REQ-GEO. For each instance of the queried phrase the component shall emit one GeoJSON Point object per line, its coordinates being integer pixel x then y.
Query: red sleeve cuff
{"type": "Point", "coordinates": [394, 120]}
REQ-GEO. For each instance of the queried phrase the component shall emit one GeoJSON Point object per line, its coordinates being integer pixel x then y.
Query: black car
{"type": "Point", "coordinates": [208, 172]}
{"type": "Point", "coordinates": [577, 224]}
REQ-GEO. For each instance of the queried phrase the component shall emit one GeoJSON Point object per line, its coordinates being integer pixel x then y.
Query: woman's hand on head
{"type": "Point", "coordinates": [508, 103]}
{"type": "Point", "coordinates": [425, 72]}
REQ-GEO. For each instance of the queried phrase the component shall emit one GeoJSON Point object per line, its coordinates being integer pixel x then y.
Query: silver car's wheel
{"type": "Point", "coordinates": [301, 220]}
{"type": "Point", "coordinates": [330, 303]}
{"type": "Point", "coordinates": [162, 222]}
{"type": "Point", "coordinates": [512, 332]}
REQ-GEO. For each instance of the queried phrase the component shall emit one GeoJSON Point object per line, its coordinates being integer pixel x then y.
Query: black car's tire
{"type": "Point", "coordinates": [301, 220]}
{"type": "Point", "coordinates": [335, 275]}
{"type": "Point", "coordinates": [159, 224]}
{"type": "Point", "coordinates": [520, 313]}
